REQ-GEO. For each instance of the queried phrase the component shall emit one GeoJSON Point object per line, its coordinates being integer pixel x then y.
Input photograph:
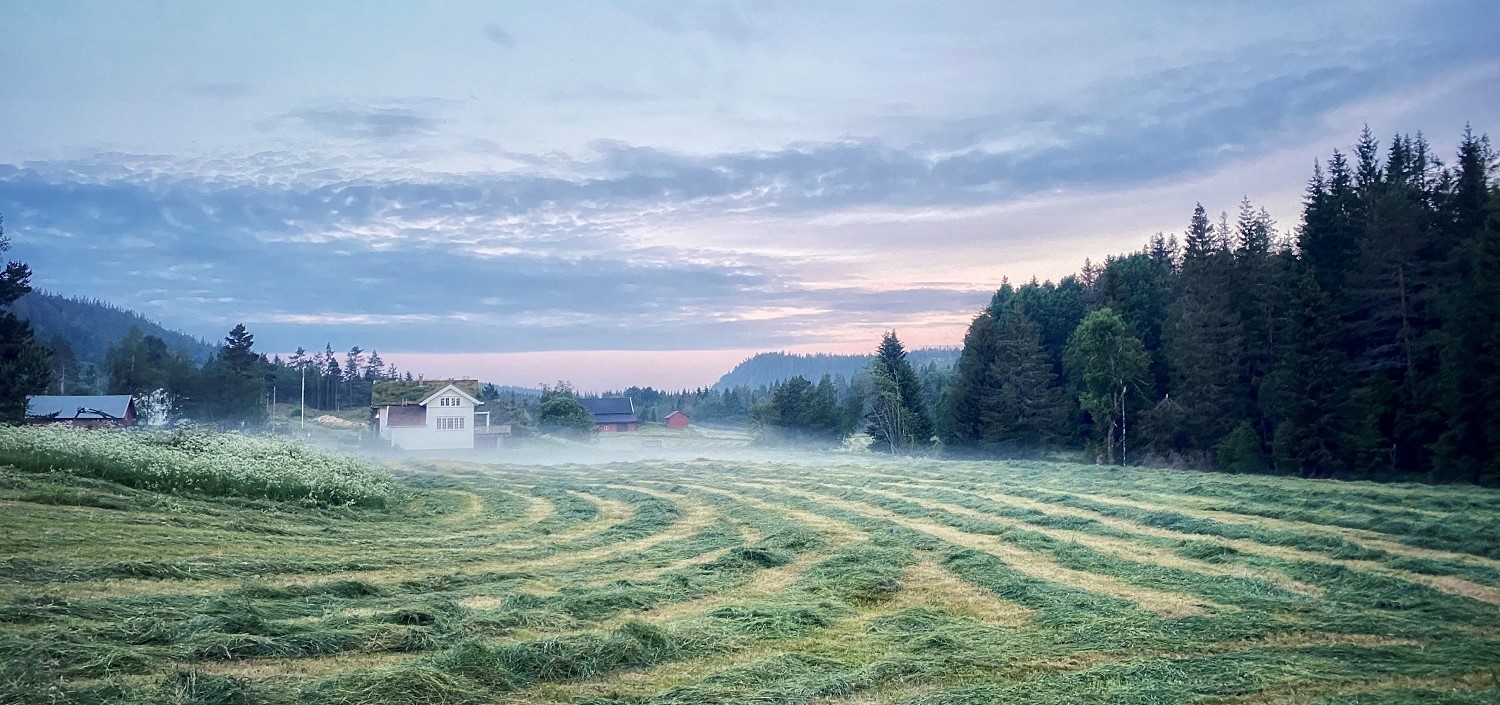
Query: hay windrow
{"type": "Point", "coordinates": [665, 583]}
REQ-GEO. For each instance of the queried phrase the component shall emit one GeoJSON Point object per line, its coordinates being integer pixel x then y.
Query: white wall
{"type": "Point", "coordinates": [429, 437]}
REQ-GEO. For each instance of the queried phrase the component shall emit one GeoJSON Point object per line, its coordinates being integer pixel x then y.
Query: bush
{"type": "Point", "coordinates": [1241, 452]}
{"type": "Point", "coordinates": [560, 413]}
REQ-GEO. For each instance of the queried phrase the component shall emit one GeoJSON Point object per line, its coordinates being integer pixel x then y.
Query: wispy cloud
{"type": "Point", "coordinates": [379, 123]}
{"type": "Point", "coordinates": [499, 36]}
{"type": "Point", "coordinates": [460, 266]}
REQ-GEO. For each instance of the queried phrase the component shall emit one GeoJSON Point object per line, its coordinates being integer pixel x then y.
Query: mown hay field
{"type": "Point", "coordinates": [838, 580]}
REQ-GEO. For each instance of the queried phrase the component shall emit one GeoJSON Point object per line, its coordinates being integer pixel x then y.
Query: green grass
{"type": "Point", "coordinates": [671, 583]}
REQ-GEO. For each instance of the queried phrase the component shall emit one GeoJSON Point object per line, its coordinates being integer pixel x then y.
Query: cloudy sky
{"type": "Point", "coordinates": [621, 193]}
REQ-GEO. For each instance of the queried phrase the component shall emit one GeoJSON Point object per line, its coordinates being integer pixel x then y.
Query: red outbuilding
{"type": "Point", "coordinates": [677, 419]}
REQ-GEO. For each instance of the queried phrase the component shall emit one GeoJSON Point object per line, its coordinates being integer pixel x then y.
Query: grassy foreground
{"type": "Point", "coordinates": [715, 582]}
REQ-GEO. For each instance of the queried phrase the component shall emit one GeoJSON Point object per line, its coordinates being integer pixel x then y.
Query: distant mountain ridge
{"type": "Point", "coordinates": [769, 368]}
{"type": "Point", "coordinates": [90, 326]}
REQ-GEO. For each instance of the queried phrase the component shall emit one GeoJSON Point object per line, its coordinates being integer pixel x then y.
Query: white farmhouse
{"type": "Point", "coordinates": [443, 419]}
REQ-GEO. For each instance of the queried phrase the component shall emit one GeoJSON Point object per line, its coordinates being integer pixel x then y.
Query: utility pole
{"type": "Point", "coordinates": [302, 414]}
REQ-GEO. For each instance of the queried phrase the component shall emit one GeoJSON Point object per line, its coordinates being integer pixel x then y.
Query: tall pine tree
{"type": "Point", "coordinates": [1024, 409]}
{"type": "Point", "coordinates": [238, 375]}
{"type": "Point", "coordinates": [1310, 389]}
{"type": "Point", "coordinates": [898, 400]}
{"type": "Point", "coordinates": [25, 366]}
{"type": "Point", "coordinates": [1469, 447]}
{"type": "Point", "coordinates": [1203, 340]}
{"type": "Point", "coordinates": [973, 385]}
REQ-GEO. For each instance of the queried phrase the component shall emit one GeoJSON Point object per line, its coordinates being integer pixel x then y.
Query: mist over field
{"type": "Point", "coordinates": [813, 576]}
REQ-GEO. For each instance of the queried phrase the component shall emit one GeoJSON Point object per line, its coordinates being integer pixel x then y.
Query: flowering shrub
{"type": "Point", "coordinates": [201, 462]}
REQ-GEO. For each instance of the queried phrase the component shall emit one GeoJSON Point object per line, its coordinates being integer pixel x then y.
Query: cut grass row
{"type": "Point", "coordinates": [1214, 545]}
{"type": "Point", "coordinates": [1219, 525]}
{"type": "Point", "coordinates": [700, 582]}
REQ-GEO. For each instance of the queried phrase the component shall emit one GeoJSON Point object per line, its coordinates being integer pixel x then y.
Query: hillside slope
{"type": "Point", "coordinates": [90, 326]}
{"type": "Point", "coordinates": [765, 369]}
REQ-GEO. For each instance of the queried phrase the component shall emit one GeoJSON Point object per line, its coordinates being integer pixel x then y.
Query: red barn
{"type": "Point", "coordinates": [677, 419]}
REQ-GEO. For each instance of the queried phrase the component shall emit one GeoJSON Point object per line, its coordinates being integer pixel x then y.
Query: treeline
{"type": "Point", "coordinates": [890, 395]}
{"type": "Point", "coordinates": [328, 380]}
{"type": "Point", "coordinates": [1365, 344]}
{"type": "Point", "coordinates": [232, 387]}
{"type": "Point", "coordinates": [796, 408]}
{"type": "Point", "coordinates": [729, 406]}
{"type": "Point", "coordinates": [168, 384]}
{"type": "Point", "coordinates": [766, 370]}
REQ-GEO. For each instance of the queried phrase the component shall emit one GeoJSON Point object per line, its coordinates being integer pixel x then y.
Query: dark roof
{"type": "Point", "coordinates": [610, 409]}
{"type": "Point", "coordinates": [608, 405]}
{"type": "Point", "coordinates": [113, 406]}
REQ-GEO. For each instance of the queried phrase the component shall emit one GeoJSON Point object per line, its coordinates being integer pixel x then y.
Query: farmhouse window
{"type": "Point", "coordinates": [449, 401]}
{"type": "Point", "coordinates": [450, 423]}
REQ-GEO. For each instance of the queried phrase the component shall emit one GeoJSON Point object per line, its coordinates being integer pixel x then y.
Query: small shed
{"type": "Point", "coordinates": [85, 411]}
{"type": "Point", "coordinates": [677, 419]}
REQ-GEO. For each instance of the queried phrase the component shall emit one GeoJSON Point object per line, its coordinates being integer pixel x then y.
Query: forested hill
{"type": "Point", "coordinates": [90, 326]}
{"type": "Point", "coordinates": [767, 369]}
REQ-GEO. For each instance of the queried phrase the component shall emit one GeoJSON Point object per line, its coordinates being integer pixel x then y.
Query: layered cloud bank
{"type": "Point", "coordinates": [728, 178]}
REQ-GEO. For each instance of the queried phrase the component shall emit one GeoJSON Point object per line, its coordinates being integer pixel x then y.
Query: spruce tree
{"type": "Point", "coordinates": [1311, 438]}
{"type": "Point", "coordinates": [25, 366]}
{"type": "Point", "coordinates": [1203, 341]}
{"type": "Point", "coordinates": [238, 379]}
{"type": "Point", "coordinates": [974, 383]}
{"type": "Point", "coordinates": [65, 367]}
{"type": "Point", "coordinates": [1385, 310]}
{"type": "Point", "coordinates": [1023, 410]}
{"type": "Point", "coordinates": [1332, 226]}
{"type": "Point", "coordinates": [896, 384]}
{"type": "Point", "coordinates": [1261, 284]}
{"type": "Point", "coordinates": [800, 411]}
{"type": "Point", "coordinates": [1469, 447]}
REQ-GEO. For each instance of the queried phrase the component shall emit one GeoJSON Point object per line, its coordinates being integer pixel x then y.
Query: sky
{"type": "Point", "coordinates": [648, 192]}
